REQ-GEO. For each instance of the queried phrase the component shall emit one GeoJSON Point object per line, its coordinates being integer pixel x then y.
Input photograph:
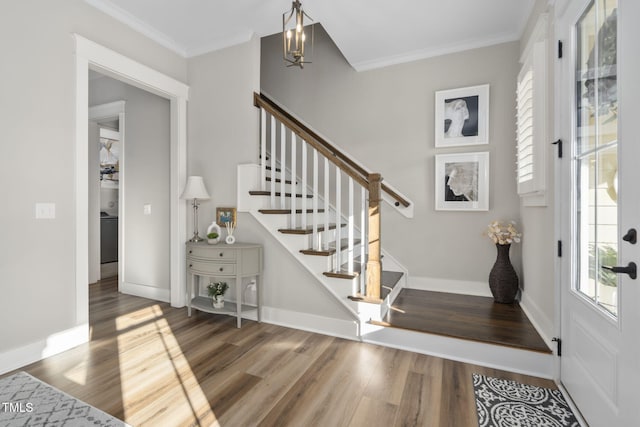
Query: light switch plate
{"type": "Point", "coordinates": [45, 210]}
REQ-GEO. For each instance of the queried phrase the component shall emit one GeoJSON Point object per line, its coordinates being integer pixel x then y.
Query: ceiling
{"type": "Point", "coordinates": [370, 33]}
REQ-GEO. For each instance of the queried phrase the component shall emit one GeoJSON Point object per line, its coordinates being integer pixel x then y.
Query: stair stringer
{"type": "Point", "coordinates": [341, 289]}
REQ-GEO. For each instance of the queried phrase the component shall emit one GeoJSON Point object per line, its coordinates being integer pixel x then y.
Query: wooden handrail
{"type": "Point", "coordinates": [344, 162]}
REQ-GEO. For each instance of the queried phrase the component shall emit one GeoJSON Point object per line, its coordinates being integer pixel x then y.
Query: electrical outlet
{"type": "Point", "coordinates": [147, 209]}
{"type": "Point", "coordinates": [45, 210]}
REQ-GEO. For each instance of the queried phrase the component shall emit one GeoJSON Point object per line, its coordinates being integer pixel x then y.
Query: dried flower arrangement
{"type": "Point", "coordinates": [503, 234]}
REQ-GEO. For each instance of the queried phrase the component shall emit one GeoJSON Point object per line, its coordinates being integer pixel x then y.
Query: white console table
{"type": "Point", "coordinates": [223, 261]}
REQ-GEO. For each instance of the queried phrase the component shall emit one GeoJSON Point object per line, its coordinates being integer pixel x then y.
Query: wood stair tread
{"type": "Point", "coordinates": [344, 244]}
{"type": "Point", "coordinates": [268, 193]}
{"type": "Point", "coordinates": [307, 230]}
{"type": "Point", "coordinates": [342, 274]}
{"type": "Point", "coordinates": [286, 211]}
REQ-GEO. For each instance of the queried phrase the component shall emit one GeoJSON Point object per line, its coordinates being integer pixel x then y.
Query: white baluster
{"type": "Point", "coordinates": [294, 176]}
{"type": "Point", "coordinates": [350, 227]}
{"type": "Point", "coordinates": [325, 243]}
{"type": "Point", "coordinates": [283, 165]}
{"type": "Point", "coordinates": [263, 149]}
{"type": "Point", "coordinates": [316, 241]}
{"type": "Point", "coordinates": [304, 184]}
{"type": "Point", "coordinates": [338, 233]}
{"type": "Point", "coordinates": [363, 239]}
{"type": "Point", "coordinates": [272, 187]}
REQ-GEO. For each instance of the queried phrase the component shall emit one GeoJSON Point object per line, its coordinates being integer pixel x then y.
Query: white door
{"type": "Point", "coordinates": [599, 115]}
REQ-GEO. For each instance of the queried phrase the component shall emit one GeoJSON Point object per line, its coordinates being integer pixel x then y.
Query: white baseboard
{"type": "Point", "coordinates": [50, 346]}
{"type": "Point", "coordinates": [347, 329]}
{"type": "Point", "coordinates": [465, 287]}
{"type": "Point", "coordinates": [144, 291]}
{"type": "Point", "coordinates": [543, 325]}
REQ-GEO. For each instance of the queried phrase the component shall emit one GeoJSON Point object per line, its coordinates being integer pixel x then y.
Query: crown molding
{"type": "Point", "coordinates": [219, 44]}
{"type": "Point", "coordinates": [431, 53]}
{"type": "Point", "coordinates": [134, 23]}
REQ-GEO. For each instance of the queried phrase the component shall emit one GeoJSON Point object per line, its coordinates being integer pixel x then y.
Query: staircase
{"type": "Point", "coordinates": [325, 209]}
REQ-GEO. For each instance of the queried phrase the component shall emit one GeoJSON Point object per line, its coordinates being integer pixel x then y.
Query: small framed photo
{"type": "Point", "coordinates": [225, 215]}
{"type": "Point", "coordinates": [462, 116]}
{"type": "Point", "coordinates": [462, 182]}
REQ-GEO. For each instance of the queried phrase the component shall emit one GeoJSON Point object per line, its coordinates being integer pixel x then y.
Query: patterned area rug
{"type": "Point", "coordinates": [504, 403]}
{"type": "Point", "coordinates": [27, 401]}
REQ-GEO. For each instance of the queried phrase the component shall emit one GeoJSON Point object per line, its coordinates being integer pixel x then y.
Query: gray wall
{"type": "Point", "coordinates": [385, 118]}
{"type": "Point", "coordinates": [538, 244]}
{"type": "Point", "coordinates": [37, 257]}
{"type": "Point", "coordinates": [146, 178]}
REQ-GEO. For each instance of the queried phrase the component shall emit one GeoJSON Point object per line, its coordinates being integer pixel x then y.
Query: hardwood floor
{"type": "Point", "coordinates": [464, 316]}
{"type": "Point", "coordinates": [151, 365]}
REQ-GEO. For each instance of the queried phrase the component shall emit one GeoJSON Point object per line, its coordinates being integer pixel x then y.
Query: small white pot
{"type": "Point", "coordinates": [218, 301]}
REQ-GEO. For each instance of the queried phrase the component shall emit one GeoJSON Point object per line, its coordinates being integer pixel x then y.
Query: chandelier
{"type": "Point", "coordinates": [293, 35]}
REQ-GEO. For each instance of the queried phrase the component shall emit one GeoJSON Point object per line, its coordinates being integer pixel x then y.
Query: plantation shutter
{"type": "Point", "coordinates": [525, 131]}
{"type": "Point", "coordinates": [531, 118]}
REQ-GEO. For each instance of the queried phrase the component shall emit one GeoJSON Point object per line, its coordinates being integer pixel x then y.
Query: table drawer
{"type": "Point", "coordinates": [211, 253]}
{"type": "Point", "coordinates": [211, 268]}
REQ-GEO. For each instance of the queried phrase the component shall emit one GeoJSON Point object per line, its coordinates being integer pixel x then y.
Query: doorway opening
{"type": "Point", "coordinates": [92, 56]}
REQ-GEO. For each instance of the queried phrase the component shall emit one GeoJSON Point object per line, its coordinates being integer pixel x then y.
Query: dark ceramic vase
{"type": "Point", "coordinates": [503, 280]}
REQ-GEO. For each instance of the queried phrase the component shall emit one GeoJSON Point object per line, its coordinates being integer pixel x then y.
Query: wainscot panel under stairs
{"type": "Point", "coordinates": [344, 286]}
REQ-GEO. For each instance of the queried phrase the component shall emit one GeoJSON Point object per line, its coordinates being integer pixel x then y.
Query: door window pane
{"type": "Point", "coordinates": [596, 155]}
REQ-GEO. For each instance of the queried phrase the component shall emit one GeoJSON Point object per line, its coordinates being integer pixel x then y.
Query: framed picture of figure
{"type": "Point", "coordinates": [462, 116]}
{"type": "Point", "coordinates": [462, 182]}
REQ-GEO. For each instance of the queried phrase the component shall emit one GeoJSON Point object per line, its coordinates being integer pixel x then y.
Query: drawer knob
{"type": "Point", "coordinates": [190, 265]}
{"type": "Point", "coordinates": [221, 268]}
{"type": "Point", "coordinates": [221, 253]}
{"type": "Point", "coordinates": [190, 252]}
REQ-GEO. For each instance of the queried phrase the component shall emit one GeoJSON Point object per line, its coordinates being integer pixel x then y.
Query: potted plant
{"type": "Point", "coordinates": [213, 238]}
{"type": "Point", "coordinates": [213, 233]}
{"type": "Point", "coordinates": [216, 292]}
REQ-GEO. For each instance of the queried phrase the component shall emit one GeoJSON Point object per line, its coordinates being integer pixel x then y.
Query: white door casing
{"type": "Point", "coordinates": [92, 55]}
{"type": "Point", "coordinates": [600, 341]}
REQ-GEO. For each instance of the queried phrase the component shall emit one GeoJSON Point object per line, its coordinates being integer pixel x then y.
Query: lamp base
{"type": "Point", "coordinates": [196, 238]}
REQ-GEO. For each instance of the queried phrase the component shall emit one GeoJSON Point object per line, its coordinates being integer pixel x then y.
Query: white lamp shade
{"type": "Point", "coordinates": [195, 189]}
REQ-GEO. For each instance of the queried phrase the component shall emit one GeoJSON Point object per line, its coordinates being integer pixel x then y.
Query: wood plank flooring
{"type": "Point", "coordinates": [464, 316]}
{"type": "Point", "coordinates": [151, 365]}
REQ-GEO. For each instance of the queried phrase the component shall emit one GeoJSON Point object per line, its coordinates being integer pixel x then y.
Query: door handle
{"type": "Point", "coordinates": [631, 236]}
{"type": "Point", "coordinates": [631, 269]}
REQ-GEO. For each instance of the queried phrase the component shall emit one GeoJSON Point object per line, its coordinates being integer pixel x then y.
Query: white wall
{"type": "Point", "coordinates": [385, 118]}
{"type": "Point", "coordinates": [146, 178]}
{"type": "Point", "coordinates": [37, 257]}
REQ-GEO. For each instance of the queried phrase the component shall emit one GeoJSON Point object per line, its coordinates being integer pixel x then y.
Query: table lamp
{"type": "Point", "coordinates": [195, 190]}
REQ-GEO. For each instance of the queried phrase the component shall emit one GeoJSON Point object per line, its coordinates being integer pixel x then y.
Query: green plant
{"type": "Point", "coordinates": [217, 288]}
{"type": "Point", "coordinates": [212, 236]}
{"type": "Point", "coordinates": [607, 255]}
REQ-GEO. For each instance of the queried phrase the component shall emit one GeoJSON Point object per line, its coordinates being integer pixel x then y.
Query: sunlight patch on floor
{"type": "Point", "coordinates": [137, 317]}
{"type": "Point", "coordinates": [165, 368]}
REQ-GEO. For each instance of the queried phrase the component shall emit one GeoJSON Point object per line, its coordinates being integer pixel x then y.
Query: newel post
{"type": "Point", "coordinates": [374, 267]}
